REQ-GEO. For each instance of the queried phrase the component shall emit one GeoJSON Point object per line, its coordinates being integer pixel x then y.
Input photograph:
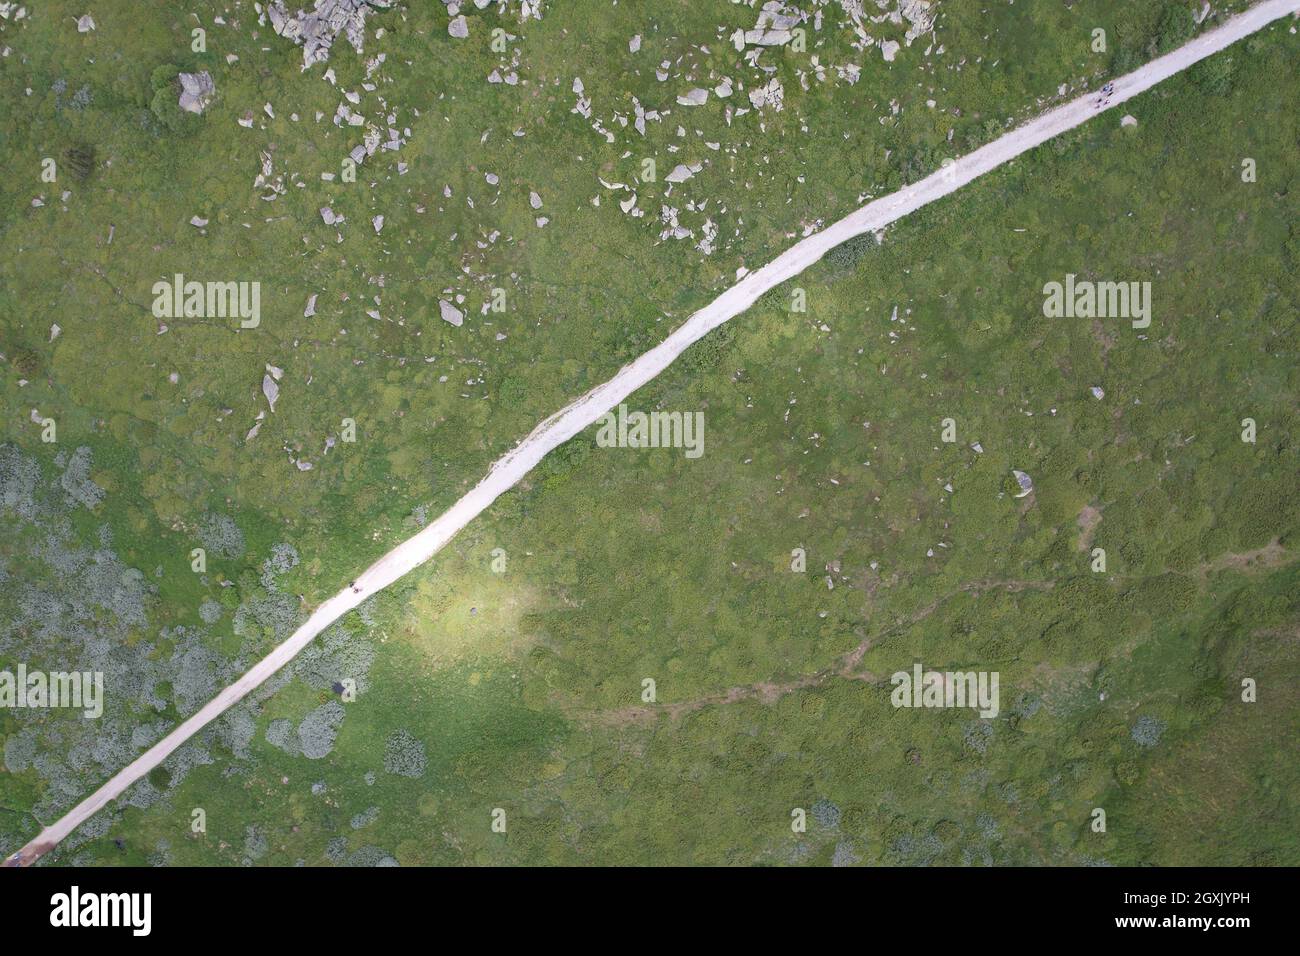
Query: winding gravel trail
{"type": "Point", "coordinates": [584, 411]}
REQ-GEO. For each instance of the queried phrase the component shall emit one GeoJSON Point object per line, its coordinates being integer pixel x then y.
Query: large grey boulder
{"type": "Point", "coordinates": [196, 91]}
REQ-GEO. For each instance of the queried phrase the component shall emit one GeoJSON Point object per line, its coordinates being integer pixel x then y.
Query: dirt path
{"type": "Point", "coordinates": [584, 411]}
{"type": "Point", "coordinates": [847, 666]}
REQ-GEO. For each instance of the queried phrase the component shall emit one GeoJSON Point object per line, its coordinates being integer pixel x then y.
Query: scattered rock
{"type": "Point", "coordinates": [318, 30]}
{"type": "Point", "coordinates": [770, 94]}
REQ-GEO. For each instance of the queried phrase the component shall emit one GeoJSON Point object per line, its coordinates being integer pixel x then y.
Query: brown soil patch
{"type": "Point", "coordinates": [1089, 518]}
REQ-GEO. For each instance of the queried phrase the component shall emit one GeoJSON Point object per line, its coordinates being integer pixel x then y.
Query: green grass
{"type": "Point", "coordinates": [525, 688]}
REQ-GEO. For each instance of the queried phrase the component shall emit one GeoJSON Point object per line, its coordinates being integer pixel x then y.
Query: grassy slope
{"type": "Point", "coordinates": [677, 569]}
{"type": "Point", "coordinates": [169, 455]}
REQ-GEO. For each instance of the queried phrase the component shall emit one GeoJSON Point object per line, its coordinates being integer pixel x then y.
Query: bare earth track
{"type": "Point", "coordinates": [584, 411]}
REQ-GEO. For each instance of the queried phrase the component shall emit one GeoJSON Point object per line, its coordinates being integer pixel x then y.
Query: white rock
{"type": "Point", "coordinates": [458, 27]}
{"type": "Point", "coordinates": [308, 312]}
{"type": "Point", "coordinates": [534, 200]}
{"type": "Point", "coordinates": [85, 23]}
{"type": "Point", "coordinates": [271, 390]}
{"type": "Point", "coordinates": [634, 44]}
{"type": "Point", "coordinates": [450, 313]}
{"type": "Point", "coordinates": [1128, 120]}
{"type": "Point", "coordinates": [683, 172]}
{"type": "Point", "coordinates": [1024, 481]}
{"type": "Point", "coordinates": [889, 49]}
{"type": "Point", "coordinates": [198, 221]}
{"type": "Point", "coordinates": [771, 94]}
{"type": "Point", "coordinates": [378, 223]}
{"type": "Point", "coordinates": [1097, 392]}
{"type": "Point", "coordinates": [695, 97]}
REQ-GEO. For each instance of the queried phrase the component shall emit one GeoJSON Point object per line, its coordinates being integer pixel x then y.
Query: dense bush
{"type": "Point", "coordinates": [848, 254]}
{"type": "Point", "coordinates": [708, 351]}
